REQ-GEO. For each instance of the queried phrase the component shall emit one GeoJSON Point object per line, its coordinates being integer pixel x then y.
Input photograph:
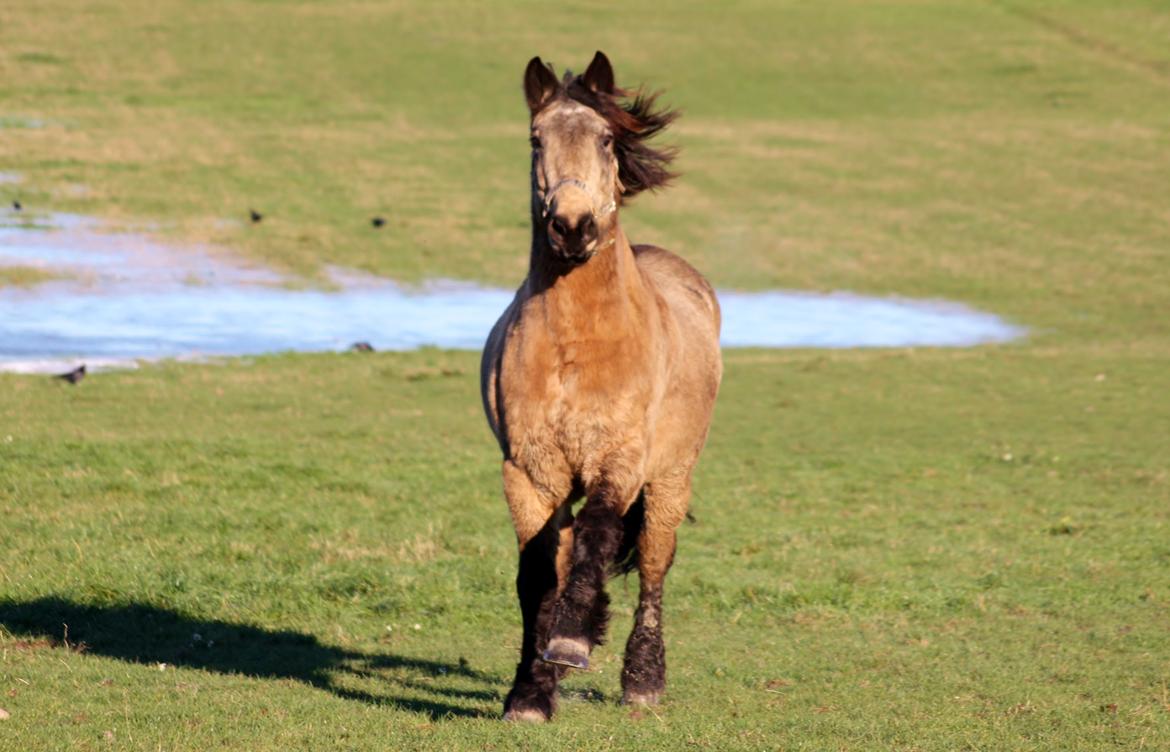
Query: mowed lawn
{"type": "Point", "coordinates": [892, 549]}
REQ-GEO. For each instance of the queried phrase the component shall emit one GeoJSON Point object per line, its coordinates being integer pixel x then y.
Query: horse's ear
{"type": "Point", "coordinates": [539, 84]}
{"type": "Point", "coordinates": [599, 74]}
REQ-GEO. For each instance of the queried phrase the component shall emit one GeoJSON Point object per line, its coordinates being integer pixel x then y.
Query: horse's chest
{"type": "Point", "coordinates": [577, 405]}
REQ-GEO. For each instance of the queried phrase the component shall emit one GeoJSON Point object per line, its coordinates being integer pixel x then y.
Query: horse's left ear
{"type": "Point", "coordinates": [599, 75]}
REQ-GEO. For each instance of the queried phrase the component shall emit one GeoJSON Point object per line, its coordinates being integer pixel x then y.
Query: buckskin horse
{"type": "Point", "coordinates": [599, 381]}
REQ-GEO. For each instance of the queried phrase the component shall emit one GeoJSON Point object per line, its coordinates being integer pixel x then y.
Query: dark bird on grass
{"type": "Point", "coordinates": [17, 205]}
{"type": "Point", "coordinates": [361, 347]}
{"type": "Point", "coordinates": [74, 376]}
{"type": "Point", "coordinates": [256, 216]}
{"type": "Point", "coordinates": [378, 221]}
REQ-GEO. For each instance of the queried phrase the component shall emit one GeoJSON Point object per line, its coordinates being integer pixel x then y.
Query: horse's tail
{"type": "Point", "coordinates": [626, 560]}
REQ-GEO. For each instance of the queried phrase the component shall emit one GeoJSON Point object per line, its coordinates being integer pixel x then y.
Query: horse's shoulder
{"type": "Point", "coordinates": [660, 262]}
{"type": "Point", "coordinates": [672, 276]}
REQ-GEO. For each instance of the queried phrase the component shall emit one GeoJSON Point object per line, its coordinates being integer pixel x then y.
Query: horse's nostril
{"type": "Point", "coordinates": [559, 227]}
{"type": "Point", "coordinates": [588, 229]}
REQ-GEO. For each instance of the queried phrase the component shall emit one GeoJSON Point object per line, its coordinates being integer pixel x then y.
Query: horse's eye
{"type": "Point", "coordinates": [606, 141]}
{"type": "Point", "coordinates": [535, 143]}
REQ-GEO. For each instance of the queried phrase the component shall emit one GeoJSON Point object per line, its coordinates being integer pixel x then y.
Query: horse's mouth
{"type": "Point", "coordinates": [574, 255]}
{"type": "Point", "coordinates": [569, 261]}
{"type": "Point", "coordinates": [576, 258]}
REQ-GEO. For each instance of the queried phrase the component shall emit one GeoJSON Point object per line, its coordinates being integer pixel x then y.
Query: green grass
{"type": "Point", "coordinates": [1009, 154]}
{"type": "Point", "coordinates": [894, 549]}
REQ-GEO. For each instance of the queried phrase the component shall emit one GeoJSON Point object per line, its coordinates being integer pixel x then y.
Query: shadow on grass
{"type": "Point", "coordinates": [146, 634]}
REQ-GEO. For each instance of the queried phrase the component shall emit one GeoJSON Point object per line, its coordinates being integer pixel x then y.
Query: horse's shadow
{"type": "Point", "coordinates": [141, 633]}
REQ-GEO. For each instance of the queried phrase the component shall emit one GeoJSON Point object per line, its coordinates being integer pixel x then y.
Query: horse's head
{"type": "Point", "coordinates": [588, 151]}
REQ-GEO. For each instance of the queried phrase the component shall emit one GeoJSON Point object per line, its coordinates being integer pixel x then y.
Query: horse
{"type": "Point", "coordinates": [599, 382]}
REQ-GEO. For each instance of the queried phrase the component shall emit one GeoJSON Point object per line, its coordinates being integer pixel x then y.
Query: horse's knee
{"type": "Point", "coordinates": [655, 555]}
{"type": "Point", "coordinates": [537, 571]}
{"type": "Point", "coordinates": [530, 505]}
{"type": "Point", "coordinates": [667, 500]}
{"type": "Point", "coordinates": [657, 541]}
{"type": "Point", "coordinates": [666, 508]}
{"type": "Point", "coordinates": [597, 530]}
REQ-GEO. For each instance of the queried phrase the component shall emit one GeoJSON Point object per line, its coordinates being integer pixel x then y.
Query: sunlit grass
{"type": "Point", "coordinates": [969, 151]}
{"type": "Point", "coordinates": [903, 549]}
{"type": "Point", "coordinates": [893, 549]}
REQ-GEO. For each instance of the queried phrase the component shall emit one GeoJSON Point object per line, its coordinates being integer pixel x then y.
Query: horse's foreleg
{"type": "Point", "coordinates": [582, 610]}
{"type": "Point", "coordinates": [644, 667]}
{"type": "Point", "coordinates": [540, 528]}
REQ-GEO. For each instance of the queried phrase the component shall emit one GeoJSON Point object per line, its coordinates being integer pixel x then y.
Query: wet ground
{"type": "Point", "coordinates": [124, 298]}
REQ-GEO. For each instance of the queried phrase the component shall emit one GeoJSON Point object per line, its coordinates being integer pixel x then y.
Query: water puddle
{"type": "Point", "coordinates": [125, 298]}
{"type": "Point", "coordinates": [10, 122]}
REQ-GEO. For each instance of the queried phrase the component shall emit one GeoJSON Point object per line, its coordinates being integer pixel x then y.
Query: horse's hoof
{"type": "Point", "coordinates": [567, 652]}
{"type": "Point", "coordinates": [525, 715]}
{"type": "Point", "coordinates": [630, 697]}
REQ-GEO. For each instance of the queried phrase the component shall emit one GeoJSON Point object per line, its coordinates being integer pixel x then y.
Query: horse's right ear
{"type": "Point", "coordinates": [599, 75]}
{"type": "Point", "coordinates": [540, 84]}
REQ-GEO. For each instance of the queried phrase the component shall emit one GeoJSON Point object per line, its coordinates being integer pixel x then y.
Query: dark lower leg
{"type": "Point", "coordinates": [581, 612]}
{"type": "Point", "coordinates": [533, 694]}
{"type": "Point", "coordinates": [644, 668]}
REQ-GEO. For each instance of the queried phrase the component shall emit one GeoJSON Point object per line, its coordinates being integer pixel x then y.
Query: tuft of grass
{"type": "Point", "coordinates": [27, 276]}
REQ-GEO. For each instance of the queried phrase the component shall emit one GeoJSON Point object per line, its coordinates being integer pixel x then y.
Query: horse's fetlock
{"type": "Point", "coordinates": [644, 666]}
{"type": "Point", "coordinates": [529, 703]}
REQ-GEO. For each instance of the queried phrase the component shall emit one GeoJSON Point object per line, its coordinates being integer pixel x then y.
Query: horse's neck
{"type": "Point", "coordinates": [601, 297]}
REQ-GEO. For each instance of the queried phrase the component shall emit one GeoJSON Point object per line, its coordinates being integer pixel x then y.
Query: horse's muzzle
{"type": "Point", "coordinates": [573, 241]}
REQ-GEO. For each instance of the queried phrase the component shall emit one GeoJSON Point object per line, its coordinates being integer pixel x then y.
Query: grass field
{"type": "Point", "coordinates": [894, 549]}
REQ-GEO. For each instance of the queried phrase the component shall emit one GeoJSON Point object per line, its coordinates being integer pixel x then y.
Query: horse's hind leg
{"type": "Point", "coordinates": [644, 667]}
{"type": "Point", "coordinates": [544, 537]}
